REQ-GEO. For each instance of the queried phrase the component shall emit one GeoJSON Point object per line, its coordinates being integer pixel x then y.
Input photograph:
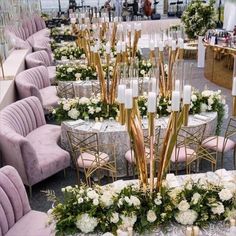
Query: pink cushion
{"type": "Point", "coordinates": [51, 157]}
{"type": "Point", "coordinates": [179, 155]}
{"type": "Point", "coordinates": [211, 142]}
{"type": "Point", "coordinates": [52, 73]}
{"type": "Point", "coordinates": [31, 224]}
{"type": "Point", "coordinates": [49, 97]}
{"type": "Point", "coordinates": [89, 159]}
{"type": "Point", "coordinates": [129, 156]}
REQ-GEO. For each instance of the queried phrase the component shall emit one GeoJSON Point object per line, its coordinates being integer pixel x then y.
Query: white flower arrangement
{"type": "Point", "coordinates": [102, 208]}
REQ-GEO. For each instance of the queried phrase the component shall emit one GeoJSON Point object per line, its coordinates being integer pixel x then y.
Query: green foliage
{"type": "Point", "coordinates": [198, 18]}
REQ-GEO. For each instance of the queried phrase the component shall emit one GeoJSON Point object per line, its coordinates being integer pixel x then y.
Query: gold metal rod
{"type": "Point", "coordinates": [234, 106]}
{"type": "Point", "coordinates": [122, 113]}
{"type": "Point", "coordinates": [186, 112]}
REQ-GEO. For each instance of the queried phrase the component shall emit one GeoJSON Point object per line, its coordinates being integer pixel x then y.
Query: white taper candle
{"type": "Point", "coordinates": [128, 99]}
{"type": "Point", "coordinates": [152, 102]}
{"type": "Point", "coordinates": [187, 94]}
{"type": "Point", "coordinates": [175, 101]}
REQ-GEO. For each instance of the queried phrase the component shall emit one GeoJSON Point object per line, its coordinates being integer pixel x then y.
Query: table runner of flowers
{"type": "Point", "coordinates": [121, 206]}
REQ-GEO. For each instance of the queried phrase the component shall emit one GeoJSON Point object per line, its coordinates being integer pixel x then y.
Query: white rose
{"type": "Point", "coordinates": [189, 186]}
{"type": "Point", "coordinates": [135, 201]}
{"type": "Point", "coordinates": [151, 216]}
{"type": "Point", "coordinates": [183, 205]}
{"type": "Point", "coordinates": [95, 202]}
{"type": "Point", "coordinates": [195, 198]}
{"type": "Point", "coordinates": [149, 64]}
{"type": "Point", "coordinates": [98, 109]}
{"type": "Point", "coordinates": [210, 101]}
{"type": "Point", "coordinates": [186, 217]}
{"type": "Point", "coordinates": [69, 70]}
{"type": "Point", "coordinates": [218, 208]}
{"type": "Point", "coordinates": [66, 106]}
{"type": "Point", "coordinates": [80, 200]}
{"type": "Point", "coordinates": [142, 72]}
{"type": "Point", "coordinates": [225, 194]}
{"type": "Point", "coordinates": [194, 98]}
{"type": "Point", "coordinates": [128, 221]}
{"type": "Point", "coordinates": [73, 113]}
{"type": "Point", "coordinates": [108, 234]}
{"type": "Point", "coordinates": [114, 218]}
{"type": "Point", "coordinates": [207, 93]}
{"type": "Point", "coordinates": [92, 194]}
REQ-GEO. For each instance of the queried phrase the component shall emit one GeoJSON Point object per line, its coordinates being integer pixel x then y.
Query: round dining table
{"type": "Point", "coordinates": [112, 132]}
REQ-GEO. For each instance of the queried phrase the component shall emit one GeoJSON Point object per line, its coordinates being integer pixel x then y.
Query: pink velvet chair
{"type": "Point", "coordinates": [41, 58]}
{"type": "Point", "coordinates": [35, 82]}
{"type": "Point", "coordinates": [16, 216]}
{"type": "Point", "coordinates": [223, 144]}
{"type": "Point", "coordinates": [29, 144]}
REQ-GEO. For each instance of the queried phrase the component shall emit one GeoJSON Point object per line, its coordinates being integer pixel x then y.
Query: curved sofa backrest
{"type": "Point", "coordinates": [39, 22]}
{"type": "Point", "coordinates": [37, 58]}
{"type": "Point", "coordinates": [23, 116]}
{"type": "Point", "coordinates": [14, 202]}
{"type": "Point", "coordinates": [30, 81]}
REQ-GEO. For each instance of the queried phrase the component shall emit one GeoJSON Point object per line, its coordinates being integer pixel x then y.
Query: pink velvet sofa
{"type": "Point", "coordinates": [16, 216]}
{"type": "Point", "coordinates": [29, 144]}
{"type": "Point", "coordinates": [41, 58]}
{"type": "Point", "coordinates": [36, 82]}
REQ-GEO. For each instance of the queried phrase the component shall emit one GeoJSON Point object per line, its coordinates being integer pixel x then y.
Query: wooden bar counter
{"type": "Point", "coordinates": [219, 63]}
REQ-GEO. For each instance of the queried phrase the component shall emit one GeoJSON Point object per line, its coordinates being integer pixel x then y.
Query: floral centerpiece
{"type": "Point", "coordinates": [144, 68]}
{"type": "Point", "coordinates": [60, 31]}
{"type": "Point", "coordinates": [205, 101]}
{"type": "Point", "coordinates": [75, 72]}
{"type": "Point", "coordinates": [198, 18]}
{"type": "Point", "coordinates": [108, 208]}
{"type": "Point", "coordinates": [69, 52]}
{"type": "Point", "coordinates": [80, 108]}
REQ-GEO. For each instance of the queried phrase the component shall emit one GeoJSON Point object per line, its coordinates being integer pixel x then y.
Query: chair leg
{"type": "Point", "coordinates": [64, 172]}
{"type": "Point", "coordinates": [222, 158]}
{"type": "Point", "coordinates": [127, 168]}
{"type": "Point", "coordinates": [234, 158]}
{"type": "Point", "coordinates": [30, 192]}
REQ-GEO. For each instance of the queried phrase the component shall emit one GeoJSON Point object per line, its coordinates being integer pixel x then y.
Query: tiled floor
{"type": "Point", "coordinates": [56, 182]}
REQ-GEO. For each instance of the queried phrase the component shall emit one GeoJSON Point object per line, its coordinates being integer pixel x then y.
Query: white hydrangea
{"type": "Point", "coordinates": [84, 101]}
{"type": "Point", "coordinates": [207, 93]}
{"type": "Point", "coordinates": [157, 200]}
{"type": "Point", "coordinates": [91, 110]}
{"type": "Point", "coordinates": [128, 221]}
{"type": "Point", "coordinates": [189, 186]}
{"type": "Point", "coordinates": [186, 217]}
{"type": "Point", "coordinates": [183, 205]}
{"type": "Point", "coordinates": [217, 208]}
{"type": "Point", "coordinates": [78, 76]}
{"type": "Point", "coordinates": [151, 216]}
{"type": "Point", "coordinates": [86, 223]}
{"type": "Point", "coordinates": [203, 107]}
{"type": "Point", "coordinates": [225, 194]}
{"type": "Point", "coordinates": [73, 113]}
{"type": "Point", "coordinates": [195, 198]}
{"type": "Point", "coordinates": [114, 218]}
{"type": "Point", "coordinates": [106, 199]}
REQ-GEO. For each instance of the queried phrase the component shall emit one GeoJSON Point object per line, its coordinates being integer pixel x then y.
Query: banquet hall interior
{"type": "Point", "coordinates": [117, 117]}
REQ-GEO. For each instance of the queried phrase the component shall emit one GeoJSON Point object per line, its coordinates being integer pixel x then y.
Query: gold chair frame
{"type": "Point", "coordinates": [81, 143]}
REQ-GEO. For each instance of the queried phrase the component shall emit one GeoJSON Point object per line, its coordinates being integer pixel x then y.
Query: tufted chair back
{"type": "Point", "coordinates": [39, 58]}
{"type": "Point", "coordinates": [14, 202]}
{"type": "Point", "coordinates": [30, 81]}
